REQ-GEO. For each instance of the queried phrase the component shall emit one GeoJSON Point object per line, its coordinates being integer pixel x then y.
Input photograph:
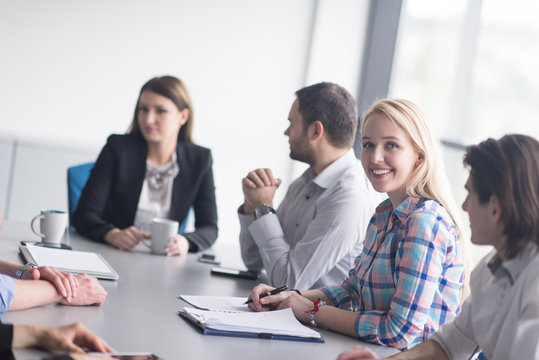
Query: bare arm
{"type": "Point", "coordinates": [8, 268]}
{"type": "Point", "coordinates": [65, 283]}
{"type": "Point", "coordinates": [31, 293]}
{"type": "Point", "coordinates": [328, 316]}
{"type": "Point", "coordinates": [69, 338]}
{"type": "Point", "coordinates": [429, 350]}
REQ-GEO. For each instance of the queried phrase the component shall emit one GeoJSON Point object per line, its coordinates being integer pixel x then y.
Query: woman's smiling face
{"type": "Point", "coordinates": [388, 157]}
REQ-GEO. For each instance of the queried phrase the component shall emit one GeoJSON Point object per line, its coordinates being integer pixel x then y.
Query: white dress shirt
{"type": "Point", "coordinates": [318, 229]}
{"type": "Point", "coordinates": [501, 316]}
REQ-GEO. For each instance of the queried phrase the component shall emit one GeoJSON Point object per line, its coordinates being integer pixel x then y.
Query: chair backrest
{"type": "Point", "coordinates": [77, 176]}
{"type": "Point", "coordinates": [183, 225]}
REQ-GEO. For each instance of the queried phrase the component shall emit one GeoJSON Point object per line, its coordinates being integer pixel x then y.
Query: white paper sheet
{"type": "Point", "coordinates": [80, 261]}
{"type": "Point", "coordinates": [278, 322]}
{"type": "Point", "coordinates": [227, 303]}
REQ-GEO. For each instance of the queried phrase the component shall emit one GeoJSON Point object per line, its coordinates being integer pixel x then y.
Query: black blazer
{"type": "Point", "coordinates": [110, 198]}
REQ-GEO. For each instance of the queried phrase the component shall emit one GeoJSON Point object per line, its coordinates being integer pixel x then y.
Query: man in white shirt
{"type": "Point", "coordinates": [313, 237]}
{"type": "Point", "coordinates": [501, 317]}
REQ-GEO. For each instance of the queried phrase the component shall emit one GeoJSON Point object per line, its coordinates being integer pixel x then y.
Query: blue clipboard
{"type": "Point", "coordinates": [209, 331]}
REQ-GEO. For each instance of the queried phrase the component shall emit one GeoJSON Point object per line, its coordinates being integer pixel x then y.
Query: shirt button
{"type": "Point", "coordinates": [307, 197]}
{"type": "Point", "coordinates": [297, 225]}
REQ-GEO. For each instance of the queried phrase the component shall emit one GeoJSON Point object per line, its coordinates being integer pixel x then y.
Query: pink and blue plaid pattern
{"type": "Point", "coordinates": [407, 282]}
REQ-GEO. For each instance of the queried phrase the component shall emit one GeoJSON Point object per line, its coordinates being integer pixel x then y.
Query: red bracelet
{"type": "Point", "coordinates": [316, 307]}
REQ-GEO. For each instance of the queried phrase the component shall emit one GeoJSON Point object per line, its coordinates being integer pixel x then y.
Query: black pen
{"type": "Point", "coordinates": [272, 292]}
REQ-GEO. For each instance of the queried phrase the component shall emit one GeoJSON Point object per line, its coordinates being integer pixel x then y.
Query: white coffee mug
{"type": "Point", "coordinates": [52, 226]}
{"type": "Point", "coordinates": [161, 231]}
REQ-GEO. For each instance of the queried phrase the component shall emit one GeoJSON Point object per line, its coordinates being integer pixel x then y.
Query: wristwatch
{"type": "Point", "coordinates": [262, 210]}
{"type": "Point", "coordinates": [23, 268]}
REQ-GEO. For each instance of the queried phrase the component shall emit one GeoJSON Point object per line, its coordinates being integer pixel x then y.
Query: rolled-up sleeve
{"type": "Point", "coordinates": [7, 292]}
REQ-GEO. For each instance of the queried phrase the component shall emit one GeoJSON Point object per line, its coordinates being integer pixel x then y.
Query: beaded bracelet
{"type": "Point", "coordinates": [317, 304]}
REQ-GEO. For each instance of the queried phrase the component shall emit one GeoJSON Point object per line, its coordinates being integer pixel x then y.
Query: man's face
{"type": "Point", "coordinates": [297, 135]}
{"type": "Point", "coordinates": [481, 224]}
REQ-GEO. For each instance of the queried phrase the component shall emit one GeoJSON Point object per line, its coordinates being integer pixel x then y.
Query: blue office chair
{"type": "Point", "coordinates": [77, 176]}
{"type": "Point", "coordinates": [76, 179]}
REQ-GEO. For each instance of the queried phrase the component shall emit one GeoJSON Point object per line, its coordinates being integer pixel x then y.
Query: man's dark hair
{"type": "Point", "coordinates": [508, 168]}
{"type": "Point", "coordinates": [334, 107]}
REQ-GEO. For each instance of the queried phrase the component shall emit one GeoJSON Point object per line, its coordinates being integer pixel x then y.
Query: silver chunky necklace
{"type": "Point", "coordinates": [159, 176]}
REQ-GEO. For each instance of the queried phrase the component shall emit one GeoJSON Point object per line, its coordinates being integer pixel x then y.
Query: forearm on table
{"type": "Point", "coordinates": [32, 293]}
{"type": "Point", "coordinates": [25, 336]}
{"type": "Point", "coordinates": [336, 319]}
{"type": "Point", "coordinates": [8, 268]}
{"type": "Point", "coordinates": [314, 295]}
{"type": "Point", "coordinates": [428, 350]}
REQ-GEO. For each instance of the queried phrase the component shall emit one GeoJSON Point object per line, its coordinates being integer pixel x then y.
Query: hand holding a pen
{"type": "Point", "coordinates": [271, 296]}
{"type": "Point", "coordinates": [278, 299]}
{"type": "Point", "coordinates": [268, 293]}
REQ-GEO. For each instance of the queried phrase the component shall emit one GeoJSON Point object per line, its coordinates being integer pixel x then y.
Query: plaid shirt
{"type": "Point", "coordinates": [407, 281]}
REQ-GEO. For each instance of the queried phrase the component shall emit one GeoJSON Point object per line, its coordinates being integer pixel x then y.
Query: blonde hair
{"type": "Point", "coordinates": [428, 179]}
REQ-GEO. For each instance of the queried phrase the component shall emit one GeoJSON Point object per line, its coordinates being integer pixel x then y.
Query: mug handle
{"type": "Point", "coordinates": [147, 242]}
{"type": "Point", "coordinates": [40, 216]}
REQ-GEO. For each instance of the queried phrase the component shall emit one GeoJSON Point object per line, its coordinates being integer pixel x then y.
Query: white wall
{"type": "Point", "coordinates": [71, 72]}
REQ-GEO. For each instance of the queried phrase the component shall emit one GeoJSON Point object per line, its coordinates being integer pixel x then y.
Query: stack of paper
{"type": "Point", "coordinates": [279, 324]}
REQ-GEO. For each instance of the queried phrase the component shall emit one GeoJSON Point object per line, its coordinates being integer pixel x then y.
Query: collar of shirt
{"type": "Point", "coordinates": [328, 176]}
{"type": "Point", "coordinates": [512, 268]}
{"type": "Point", "coordinates": [403, 210]}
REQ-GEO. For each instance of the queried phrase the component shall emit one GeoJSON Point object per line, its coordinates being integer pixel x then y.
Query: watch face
{"type": "Point", "coordinates": [262, 210]}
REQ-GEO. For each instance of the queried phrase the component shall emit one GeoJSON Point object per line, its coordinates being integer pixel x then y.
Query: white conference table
{"type": "Point", "coordinates": [140, 312]}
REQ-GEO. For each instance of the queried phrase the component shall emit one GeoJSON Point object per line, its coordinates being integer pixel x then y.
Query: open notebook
{"type": "Point", "coordinates": [279, 324]}
{"type": "Point", "coordinates": [76, 262]}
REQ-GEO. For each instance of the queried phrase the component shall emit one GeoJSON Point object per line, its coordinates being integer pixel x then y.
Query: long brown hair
{"type": "Point", "coordinates": [175, 90]}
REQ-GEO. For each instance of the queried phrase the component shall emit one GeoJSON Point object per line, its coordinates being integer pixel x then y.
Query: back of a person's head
{"type": "Point", "coordinates": [334, 107]}
{"type": "Point", "coordinates": [508, 169]}
{"type": "Point", "coordinates": [175, 90]}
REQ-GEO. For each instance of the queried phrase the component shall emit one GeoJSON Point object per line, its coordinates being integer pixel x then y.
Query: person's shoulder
{"type": "Point", "coordinates": [193, 153]}
{"type": "Point", "coordinates": [352, 178]}
{"type": "Point", "coordinates": [429, 211]}
{"type": "Point", "coordinates": [532, 269]}
{"type": "Point", "coordinates": [428, 207]}
{"type": "Point", "coordinates": [194, 148]}
{"type": "Point", "coordinates": [124, 139]}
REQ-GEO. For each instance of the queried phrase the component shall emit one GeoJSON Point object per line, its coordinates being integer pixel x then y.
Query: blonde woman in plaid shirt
{"type": "Point", "coordinates": [409, 279]}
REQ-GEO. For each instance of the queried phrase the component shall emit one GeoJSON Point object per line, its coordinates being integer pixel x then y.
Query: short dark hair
{"type": "Point", "coordinates": [334, 107]}
{"type": "Point", "coordinates": [174, 89]}
{"type": "Point", "coordinates": [508, 168]}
